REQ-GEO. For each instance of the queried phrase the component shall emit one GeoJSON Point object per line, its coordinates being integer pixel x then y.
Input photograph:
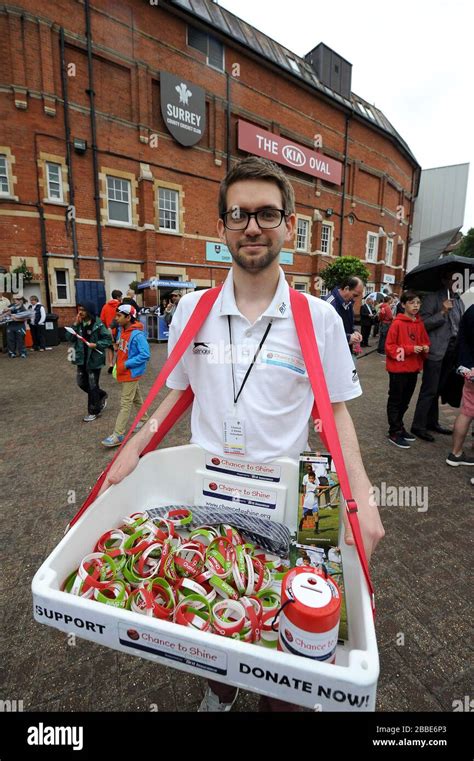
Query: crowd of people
{"type": "Point", "coordinates": [432, 335]}
{"type": "Point", "coordinates": [18, 316]}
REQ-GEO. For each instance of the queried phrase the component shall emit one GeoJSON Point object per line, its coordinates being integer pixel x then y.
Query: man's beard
{"type": "Point", "coordinates": [255, 262]}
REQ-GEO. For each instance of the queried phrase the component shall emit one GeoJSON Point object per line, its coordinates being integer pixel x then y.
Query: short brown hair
{"type": "Point", "coordinates": [256, 168]}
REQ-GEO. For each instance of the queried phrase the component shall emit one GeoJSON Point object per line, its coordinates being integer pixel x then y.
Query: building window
{"type": "Point", "coordinates": [54, 181]}
{"type": "Point", "coordinates": [372, 247]}
{"type": "Point", "coordinates": [300, 287]}
{"type": "Point", "coordinates": [168, 207]}
{"type": "Point", "coordinates": [118, 198]}
{"type": "Point", "coordinates": [4, 183]}
{"type": "Point", "coordinates": [210, 46]}
{"type": "Point", "coordinates": [302, 234]}
{"type": "Point", "coordinates": [294, 66]}
{"type": "Point", "coordinates": [369, 288]}
{"type": "Point", "coordinates": [389, 252]}
{"type": "Point", "coordinates": [62, 284]}
{"type": "Point", "coordinates": [326, 238]}
{"type": "Point", "coordinates": [323, 291]}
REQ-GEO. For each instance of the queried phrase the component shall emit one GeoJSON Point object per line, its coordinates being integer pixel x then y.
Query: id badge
{"type": "Point", "coordinates": [234, 435]}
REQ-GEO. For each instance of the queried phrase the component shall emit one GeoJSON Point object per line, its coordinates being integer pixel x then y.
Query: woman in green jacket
{"type": "Point", "coordinates": [89, 356]}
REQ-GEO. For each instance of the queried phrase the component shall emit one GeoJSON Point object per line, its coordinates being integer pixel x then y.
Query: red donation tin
{"type": "Point", "coordinates": [309, 623]}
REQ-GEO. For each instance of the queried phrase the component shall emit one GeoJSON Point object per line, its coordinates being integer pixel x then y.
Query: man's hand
{"type": "Point", "coordinates": [91, 346]}
{"type": "Point", "coordinates": [426, 348]}
{"type": "Point", "coordinates": [355, 338]}
{"type": "Point", "coordinates": [123, 466]}
{"type": "Point", "coordinates": [447, 306]}
{"type": "Point", "coordinates": [418, 349]}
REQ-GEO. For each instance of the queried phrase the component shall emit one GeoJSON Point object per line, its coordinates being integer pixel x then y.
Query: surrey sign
{"type": "Point", "coordinates": [183, 107]}
{"type": "Point", "coordinates": [260, 142]}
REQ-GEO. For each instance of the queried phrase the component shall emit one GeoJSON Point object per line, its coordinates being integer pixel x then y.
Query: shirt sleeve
{"type": "Point", "coordinates": [178, 378]}
{"type": "Point", "coordinates": [339, 369]}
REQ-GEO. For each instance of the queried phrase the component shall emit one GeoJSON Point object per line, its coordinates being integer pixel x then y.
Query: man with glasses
{"type": "Point", "coordinates": [259, 390]}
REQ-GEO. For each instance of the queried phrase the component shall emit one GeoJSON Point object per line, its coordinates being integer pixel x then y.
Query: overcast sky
{"type": "Point", "coordinates": [413, 59]}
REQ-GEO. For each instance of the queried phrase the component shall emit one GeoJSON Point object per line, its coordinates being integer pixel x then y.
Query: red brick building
{"type": "Point", "coordinates": [94, 186]}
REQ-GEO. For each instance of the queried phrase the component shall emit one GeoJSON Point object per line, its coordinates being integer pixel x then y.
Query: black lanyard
{"type": "Point", "coordinates": [236, 398]}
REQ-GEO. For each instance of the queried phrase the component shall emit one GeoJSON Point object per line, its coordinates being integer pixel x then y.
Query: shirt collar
{"type": "Point", "coordinates": [340, 300]}
{"type": "Point", "coordinates": [279, 306]}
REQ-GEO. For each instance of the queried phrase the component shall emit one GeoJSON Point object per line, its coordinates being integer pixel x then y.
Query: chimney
{"type": "Point", "coordinates": [331, 69]}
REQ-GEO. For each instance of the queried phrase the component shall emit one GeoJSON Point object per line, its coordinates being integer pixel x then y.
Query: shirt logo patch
{"type": "Point", "coordinates": [201, 348]}
{"type": "Point", "coordinates": [282, 308]}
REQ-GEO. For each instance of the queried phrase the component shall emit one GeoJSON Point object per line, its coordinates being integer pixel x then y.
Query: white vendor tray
{"type": "Point", "coordinates": [178, 475]}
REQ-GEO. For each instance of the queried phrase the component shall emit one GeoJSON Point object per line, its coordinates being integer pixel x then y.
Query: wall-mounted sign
{"type": "Point", "coordinates": [218, 252]}
{"type": "Point", "coordinates": [389, 279]}
{"type": "Point", "coordinates": [183, 107]}
{"type": "Point", "coordinates": [263, 143]}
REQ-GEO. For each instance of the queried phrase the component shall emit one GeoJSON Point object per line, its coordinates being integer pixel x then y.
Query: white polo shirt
{"type": "Point", "coordinates": [277, 399]}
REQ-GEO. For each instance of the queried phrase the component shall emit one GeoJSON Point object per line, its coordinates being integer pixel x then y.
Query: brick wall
{"type": "Point", "coordinates": [133, 41]}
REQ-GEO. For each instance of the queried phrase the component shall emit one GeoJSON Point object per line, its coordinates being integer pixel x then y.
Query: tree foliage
{"type": "Point", "coordinates": [344, 266]}
{"type": "Point", "coordinates": [466, 247]}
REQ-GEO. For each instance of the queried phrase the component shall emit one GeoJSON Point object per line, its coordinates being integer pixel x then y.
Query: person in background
{"type": "Point", "coordinates": [164, 301]}
{"type": "Point", "coordinates": [172, 306]}
{"type": "Point", "coordinates": [107, 315]}
{"type": "Point", "coordinates": [4, 302]}
{"type": "Point", "coordinates": [89, 357]}
{"type": "Point", "coordinates": [133, 355]}
{"type": "Point", "coordinates": [465, 417]}
{"type": "Point", "coordinates": [130, 299]}
{"type": "Point", "coordinates": [385, 319]}
{"type": "Point", "coordinates": [406, 347]}
{"type": "Point", "coordinates": [367, 319]}
{"type": "Point", "coordinates": [16, 329]}
{"type": "Point", "coordinates": [342, 298]}
{"type": "Point", "coordinates": [441, 313]}
{"type": "Point", "coordinates": [37, 321]}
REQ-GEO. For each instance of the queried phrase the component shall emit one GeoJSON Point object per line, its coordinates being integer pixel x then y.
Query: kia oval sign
{"type": "Point", "coordinates": [294, 155]}
{"type": "Point", "coordinates": [260, 142]}
{"type": "Point", "coordinates": [183, 107]}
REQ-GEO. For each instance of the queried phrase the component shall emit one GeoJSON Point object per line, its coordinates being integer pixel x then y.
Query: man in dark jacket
{"type": "Point", "coordinates": [89, 356]}
{"type": "Point", "coordinates": [441, 313]}
{"type": "Point", "coordinates": [465, 363]}
{"type": "Point", "coordinates": [37, 321]}
{"type": "Point", "coordinates": [367, 319]}
{"type": "Point", "coordinates": [342, 298]}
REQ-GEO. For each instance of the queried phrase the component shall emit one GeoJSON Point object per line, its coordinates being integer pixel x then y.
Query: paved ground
{"type": "Point", "coordinates": [420, 570]}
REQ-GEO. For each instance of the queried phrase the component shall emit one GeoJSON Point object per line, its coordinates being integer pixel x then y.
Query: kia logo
{"type": "Point", "coordinates": [294, 155]}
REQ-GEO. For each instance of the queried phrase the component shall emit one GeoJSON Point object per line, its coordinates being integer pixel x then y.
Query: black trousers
{"type": "Point", "coordinates": [16, 339]}
{"type": "Point", "coordinates": [400, 392]}
{"type": "Point", "coordinates": [435, 373]}
{"type": "Point", "coordinates": [365, 330]}
{"type": "Point", "coordinates": [88, 381]}
{"type": "Point", "coordinates": [38, 334]}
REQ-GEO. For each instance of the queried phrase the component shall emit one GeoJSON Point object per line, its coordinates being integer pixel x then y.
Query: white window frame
{"type": "Point", "coordinates": [372, 257]}
{"type": "Point", "coordinates": [389, 252]}
{"type": "Point", "coordinates": [328, 242]}
{"type": "Point", "coordinates": [300, 286]}
{"type": "Point", "coordinates": [306, 222]}
{"type": "Point", "coordinates": [6, 193]}
{"type": "Point", "coordinates": [62, 285]}
{"type": "Point", "coordinates": [119, 222]}
{"type": "Point", "coordinates": [369, 288]}
{"type": "Point", "coordinates": [54, 199]}
{"type": "Point", "coordinates": [323, 291]}
{"type": "Point", "coordinates": [173, 230]}
{"type": "Point", "coordinates": [208, 36]}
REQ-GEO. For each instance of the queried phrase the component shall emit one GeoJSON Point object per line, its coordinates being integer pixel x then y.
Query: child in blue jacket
{"type": "Point", "coordinates": [132, 357]}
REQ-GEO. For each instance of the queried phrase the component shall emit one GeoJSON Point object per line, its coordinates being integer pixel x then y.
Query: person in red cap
{"type": "Point", "coordinates": [132, 357]}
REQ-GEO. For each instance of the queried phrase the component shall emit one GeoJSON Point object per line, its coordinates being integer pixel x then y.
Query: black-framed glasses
{"type": "Point", "coordinates": [266, 219]}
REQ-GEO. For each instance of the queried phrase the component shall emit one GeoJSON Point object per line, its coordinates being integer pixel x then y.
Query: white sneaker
{"type": "Point", "coordinates": [211, 703]}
